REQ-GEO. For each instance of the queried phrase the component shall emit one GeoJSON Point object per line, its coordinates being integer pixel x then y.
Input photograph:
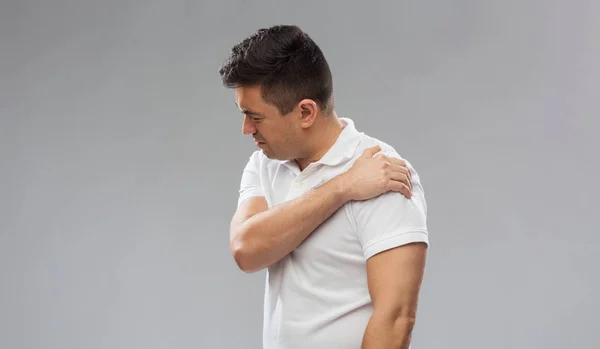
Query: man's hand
{"type": "Point", "coordinates": [373, 174]}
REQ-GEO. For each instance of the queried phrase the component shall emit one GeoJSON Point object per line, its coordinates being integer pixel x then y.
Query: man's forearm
{"type": "Point", "coordinates": [268, 236]}
{"type": "Point", "coordinates": [386, 332]}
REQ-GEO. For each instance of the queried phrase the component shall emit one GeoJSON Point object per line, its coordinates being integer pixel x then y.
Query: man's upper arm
{"type": "Point", "coordinates": [251, 199]}
{"type": "Point", "coordinates": [250, 183]}
{"type": "Point", "coordinates": [393, 232]}
{"type": "Point", "coordinates": [391, 220]}
{"type": "Point", "coordinates": [394, 279]}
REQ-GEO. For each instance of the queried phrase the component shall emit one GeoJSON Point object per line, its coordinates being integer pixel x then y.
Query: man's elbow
{"type": "Point", "coordinates": [405, 324]}
{"type": "Point", "coordinates": [243, 256]}
{"type": "Point", "coordinates": [402, 319]}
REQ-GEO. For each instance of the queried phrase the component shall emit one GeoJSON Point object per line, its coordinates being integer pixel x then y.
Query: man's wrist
{"type": "Point", "coordinates": [341, 188]}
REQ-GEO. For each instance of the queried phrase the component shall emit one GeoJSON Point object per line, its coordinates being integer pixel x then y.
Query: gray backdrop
{"type": "Point", "coordinates": [121, 156]}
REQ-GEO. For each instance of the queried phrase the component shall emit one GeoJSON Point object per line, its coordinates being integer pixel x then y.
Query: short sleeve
{"type": "Point", "coordinates": [391, 220]}
{"type": "Point", "coordinates": [250, 184]}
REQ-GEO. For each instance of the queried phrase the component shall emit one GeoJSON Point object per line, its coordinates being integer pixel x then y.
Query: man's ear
{"type": "Point", "coordinates": [308, 112]}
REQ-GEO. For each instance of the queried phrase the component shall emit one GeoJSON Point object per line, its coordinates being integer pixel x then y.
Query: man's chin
{"type": "Point", "coordinates": [268, 154]}
{"type": "Point", "coordinates": [271, 156]}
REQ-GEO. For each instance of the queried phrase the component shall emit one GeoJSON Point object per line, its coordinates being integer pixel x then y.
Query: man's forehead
{"type": "Point", "coordinates": [248, 98]}
{"type": "Point", "coordinates": [248, 92]}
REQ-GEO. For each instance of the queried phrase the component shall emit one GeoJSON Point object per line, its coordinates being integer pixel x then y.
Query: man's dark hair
{"type": "Point", "coordinates": [286, 63]}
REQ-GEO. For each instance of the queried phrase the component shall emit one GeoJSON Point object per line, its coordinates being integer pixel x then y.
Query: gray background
{"type": "Point", "coordinates": [121, 156]}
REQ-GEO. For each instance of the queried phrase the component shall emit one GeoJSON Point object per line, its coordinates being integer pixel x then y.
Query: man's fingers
{"type": "Point", "coordinates": [370, 152]}
{"type": "Point", "coordinates": [394, 160]}
{"type": "Point", "coordinates": [397, 169]}
{"type": "Point", "coordinates": [401, 177]}
{"type": "Point", "coordinates": [403, 171]}
{"type": "Point", "coordinates": [399, 165]}
{"type": "Point", "coordinates": [381, 155]}
{"type": "Point", "coordinates": [400, 187]}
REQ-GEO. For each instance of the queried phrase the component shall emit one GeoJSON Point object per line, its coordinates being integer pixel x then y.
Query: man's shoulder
{"type": "Point", "coordinates": [256, 157]}
{"type": "Point", "coordinates": [367, 141]}
{"type": "Point", "coordinates": [259, 161]}
{"type": "Point", "coordinates": [388, 150]}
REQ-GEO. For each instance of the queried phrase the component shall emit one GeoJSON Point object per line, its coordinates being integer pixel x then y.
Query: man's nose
{"type": "Point", "coordinates": [248, 127]}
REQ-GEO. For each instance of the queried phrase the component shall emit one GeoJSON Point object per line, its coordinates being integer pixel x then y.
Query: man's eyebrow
{"type": "Point", "coordinates": [248, 111]}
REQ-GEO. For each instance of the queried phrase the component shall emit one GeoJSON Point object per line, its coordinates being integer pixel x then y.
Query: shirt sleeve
{"type": "Point", "coordinates": [391, 220]}
{"type": "Point", "coordinates": [250, 184]}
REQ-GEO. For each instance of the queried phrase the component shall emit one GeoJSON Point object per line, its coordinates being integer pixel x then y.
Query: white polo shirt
{"type": "Point", "coordinates": [317, 296]}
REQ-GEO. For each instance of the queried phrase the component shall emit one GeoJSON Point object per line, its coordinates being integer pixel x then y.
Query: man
{"type": "Point", "coordinates": [336, 217]}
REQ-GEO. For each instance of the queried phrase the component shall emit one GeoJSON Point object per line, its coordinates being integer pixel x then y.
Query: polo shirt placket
{"type": "Point", "coordinates": [303, 180]}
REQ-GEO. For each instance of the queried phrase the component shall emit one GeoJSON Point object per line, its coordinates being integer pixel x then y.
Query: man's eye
{"type": "Point", "coordinates": [253, 118]}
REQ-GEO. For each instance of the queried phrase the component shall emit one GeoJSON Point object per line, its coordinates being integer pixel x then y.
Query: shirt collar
{"type": "Point", "coordinates": [343, 149]}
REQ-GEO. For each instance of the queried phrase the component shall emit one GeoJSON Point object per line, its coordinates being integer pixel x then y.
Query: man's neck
{"type": "Point", "coordinates": [325, 135]}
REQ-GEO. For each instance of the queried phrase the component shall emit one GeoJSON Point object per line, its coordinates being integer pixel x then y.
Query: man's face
{"type": "Point", "coordinates": [275, 134]}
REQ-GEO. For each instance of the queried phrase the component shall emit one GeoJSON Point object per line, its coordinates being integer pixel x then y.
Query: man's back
{"type": "Point", "coordinates": [318, 295]}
